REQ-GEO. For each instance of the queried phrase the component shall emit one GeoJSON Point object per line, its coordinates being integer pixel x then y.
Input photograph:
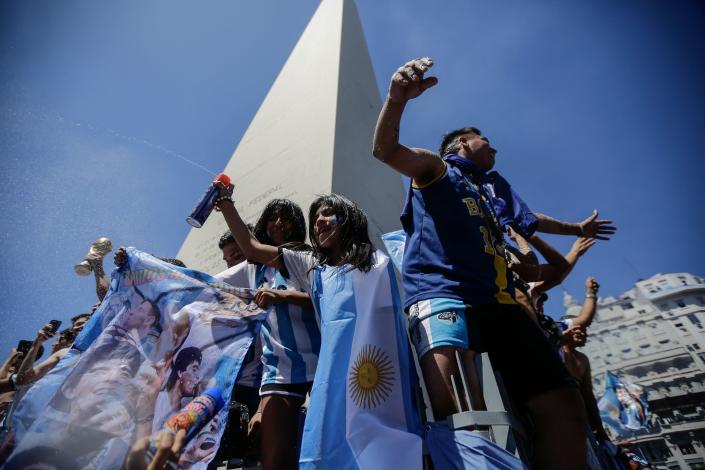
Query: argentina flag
{"type": "Point", "coordinates": [623, 406]}
{"type": "Point", "coordinates": [362, 412]}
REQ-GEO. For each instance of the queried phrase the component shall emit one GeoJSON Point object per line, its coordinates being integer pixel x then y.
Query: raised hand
{"type": "Point", "coordinates": [225, 191]}
{"type": "Point", "coordinates": [582, 245]}
{"type": "Point", "coordinates": [45, 333]}
{"type": "Point", "coordinates": [408, 81]}
{"type": "Point", "coordinates": [575, 336]}
{"type": "Point", "coordinates": [601, 229]}
{"type": "Point", "coordinates": [591, 285]}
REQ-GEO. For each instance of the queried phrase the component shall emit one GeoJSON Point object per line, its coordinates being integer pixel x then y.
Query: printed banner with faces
{"type": "Point", "coordinates": [161, 337]}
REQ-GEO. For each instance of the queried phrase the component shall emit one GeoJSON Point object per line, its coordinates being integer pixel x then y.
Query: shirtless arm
{"type": "Point", "coordinates": [252, 249]}
{"type": "Point", "coordinates": [590, 227]}
{"type": "Point", "coordinates": [407, 83]}
{"type": "Point", "coordinates": [593, 412]}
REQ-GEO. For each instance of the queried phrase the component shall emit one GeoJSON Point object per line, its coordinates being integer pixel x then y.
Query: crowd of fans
{"type": "Point", "coordinates": [473, 282]}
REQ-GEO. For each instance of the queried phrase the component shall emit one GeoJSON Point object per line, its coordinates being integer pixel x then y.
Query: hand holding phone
{"type": "Point", "coordinates": [55, 324]}
{"type": "Point", "coordinates": [24, 346]}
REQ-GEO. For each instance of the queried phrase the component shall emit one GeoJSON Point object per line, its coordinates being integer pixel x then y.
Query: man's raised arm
{"type": "Point", "coordinates": [408, 82]}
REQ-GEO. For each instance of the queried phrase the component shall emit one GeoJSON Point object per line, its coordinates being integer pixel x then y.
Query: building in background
{"type": "Point", "coordinates": [312, 135]}
{"type": "Point", "coordinates": [654, 335]}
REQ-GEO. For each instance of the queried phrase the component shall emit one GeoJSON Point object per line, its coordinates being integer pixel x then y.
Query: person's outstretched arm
{"type": "Point", "coordinates": [592, 411]}
{"type": "Point", "coordinates": [102, 284]}
{"type": "Point", "coordinates": [590, 227]}
{"type": "Point", "coordinates": [253, 250]}
{"type": "Point", "coordinates": [407, 83]}
{"type": "Point", "coordinates": [557, 267]}
{"type": "Point", "coordinates": [579, 248]}
{"type": "Point", "coordinates": [26, 373]}
{"type": "Point", "coordinates": [587, 313]}
{"type": "Point", "coordinates": [15, 355]}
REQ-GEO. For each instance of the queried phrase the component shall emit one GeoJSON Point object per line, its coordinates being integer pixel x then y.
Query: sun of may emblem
{"type": "Point", "coordinates": [371, 377]}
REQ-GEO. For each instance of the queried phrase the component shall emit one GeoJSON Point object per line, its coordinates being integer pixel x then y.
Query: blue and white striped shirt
{"type": "Point", "coordinates": [291, 335]}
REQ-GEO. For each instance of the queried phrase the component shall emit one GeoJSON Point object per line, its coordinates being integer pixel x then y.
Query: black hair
{"type": "Point", "coordinates": [185, 357]}
{"type": "Point", "coordinates": [449, 144]}
{"type": "Point", "coordinates": [356, 247]}
{"type": "Point", "coordinates": [226, 239]}
{"type": "Point", "coordinates": [80, 315]}
{"type": "Point", "coordinates": [67, 334]}
{"type": "Point", "coordinates": [288, 210]}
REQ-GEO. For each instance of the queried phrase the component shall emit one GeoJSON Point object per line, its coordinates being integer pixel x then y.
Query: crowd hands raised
{"type": "Point", "coordinates": [482, 265]}
{"type": "Point", "coordinates": [20, 368]}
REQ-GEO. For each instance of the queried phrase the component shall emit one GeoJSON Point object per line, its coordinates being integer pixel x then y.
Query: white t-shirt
{"type": "Point", "coordinates": [291, 336]}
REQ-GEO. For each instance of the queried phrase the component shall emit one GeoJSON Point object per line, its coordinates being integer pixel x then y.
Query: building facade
{"type": "Point", "coordinates": [654, 335]}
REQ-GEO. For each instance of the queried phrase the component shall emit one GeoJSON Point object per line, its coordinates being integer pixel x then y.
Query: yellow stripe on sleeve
{"type": "Point", "coordinates": [437, 178]}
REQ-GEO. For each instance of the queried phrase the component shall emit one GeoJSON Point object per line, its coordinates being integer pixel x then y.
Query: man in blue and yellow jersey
{"type": "Point", "coordinates": [458, 286]}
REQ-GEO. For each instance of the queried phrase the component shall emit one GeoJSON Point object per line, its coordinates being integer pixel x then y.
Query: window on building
{"type": "Point", "coordinates": [642, 311]}
{"type": "Point", "coordinates": [695, 320]}
{"type": "Point", "coordinates": [681, 304]}
{"type": "Point", "coordinates": [627, 306]}
{"type": "Point", "coordinates": [686, 449]}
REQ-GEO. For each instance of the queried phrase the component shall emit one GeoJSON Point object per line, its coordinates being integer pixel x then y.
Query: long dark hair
{"type": "Point", "coordinates": [356, 247]}
{"type": "Point", "coordinates": [287, 210]}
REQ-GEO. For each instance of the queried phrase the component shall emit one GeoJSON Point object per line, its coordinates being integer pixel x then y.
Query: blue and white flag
{"type": "Point", "coordinates": [395, 242]}
{"type": "Point", "coordinates": [161, 336]}
{"type": "Point", "coordinates": [466, 450]}
{"type": "Point", "coordinates": [623, 406]}
{"type": "Point", "coordinates": [362, 412]}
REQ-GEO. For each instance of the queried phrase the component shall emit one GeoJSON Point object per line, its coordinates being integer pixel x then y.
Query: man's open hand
{"type": "Point", "coordinates": [594, 228]}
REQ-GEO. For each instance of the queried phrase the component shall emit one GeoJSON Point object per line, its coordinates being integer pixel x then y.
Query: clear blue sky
{"type": "Point", "coordinates": [591, 105]}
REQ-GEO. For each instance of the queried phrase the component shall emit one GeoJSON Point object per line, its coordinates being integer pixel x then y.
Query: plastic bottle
{"type": "Point", "coordinates": [192, 418]}
{"type": "Point", "coordinates": [203, 209]}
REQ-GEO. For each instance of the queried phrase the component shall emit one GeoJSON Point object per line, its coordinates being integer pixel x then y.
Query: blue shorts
{"type": "Point", "coordinates": [435, 323]}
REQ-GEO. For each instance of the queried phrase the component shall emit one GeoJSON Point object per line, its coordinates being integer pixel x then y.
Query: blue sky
{"type": "Point", "coordinates": [590, 104]}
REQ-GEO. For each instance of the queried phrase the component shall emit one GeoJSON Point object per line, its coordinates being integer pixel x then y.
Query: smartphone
{"type": "Point", "coordinates": [55, 324]}
{"type": "Point", "coordinates": [24, 346]}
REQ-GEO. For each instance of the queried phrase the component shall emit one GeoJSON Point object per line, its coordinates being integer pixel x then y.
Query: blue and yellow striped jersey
{"type": "Point", "coordinates": [452, 248]}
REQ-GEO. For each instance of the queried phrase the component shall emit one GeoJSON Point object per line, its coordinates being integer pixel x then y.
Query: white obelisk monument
{"type": "Point", "coordinates": [312, 135]}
